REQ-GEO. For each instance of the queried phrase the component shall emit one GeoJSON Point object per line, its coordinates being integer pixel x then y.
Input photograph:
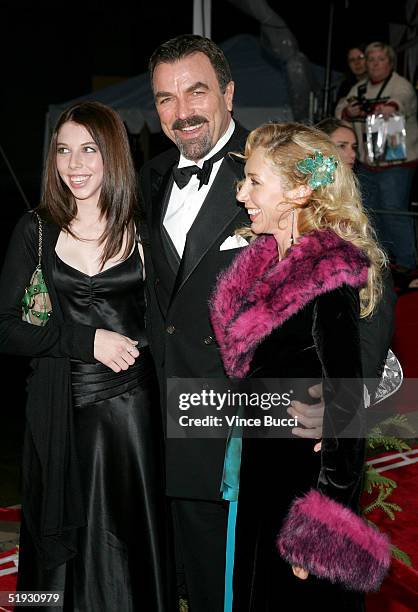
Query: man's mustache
{"type": "Point", "coordinates": [179, 124]}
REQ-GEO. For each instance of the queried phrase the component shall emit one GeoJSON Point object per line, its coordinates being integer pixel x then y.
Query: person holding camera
{"type": "Point", "coordinates": [384, 92]}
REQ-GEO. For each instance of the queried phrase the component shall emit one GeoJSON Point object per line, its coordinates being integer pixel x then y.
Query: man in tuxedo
{"type": "Point", "coordinates": [190, 214]}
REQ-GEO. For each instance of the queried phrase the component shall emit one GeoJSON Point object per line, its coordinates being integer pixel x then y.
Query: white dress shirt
{"type": "Point", "coordinates": [184, 204]}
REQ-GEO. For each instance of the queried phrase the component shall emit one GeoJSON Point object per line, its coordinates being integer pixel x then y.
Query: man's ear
{"type": "Point", "coordinates": [229, 95]}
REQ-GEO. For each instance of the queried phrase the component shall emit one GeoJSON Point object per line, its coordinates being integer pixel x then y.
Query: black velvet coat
{"type": "Point", "coordinates": [294, 319]}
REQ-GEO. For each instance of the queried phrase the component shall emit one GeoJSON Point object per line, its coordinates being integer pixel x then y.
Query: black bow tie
{"type": "Point", "coordinates": [183, 175]}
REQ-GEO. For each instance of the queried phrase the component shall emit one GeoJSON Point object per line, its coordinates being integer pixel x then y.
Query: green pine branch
{"type": "Point", "coordinates": [401, 555]}
{"type": "Point", "coordinates": [387, 441]}
{"type": "Point", "coordinates": [381, 436]}
{"type": "Point", "coordinates": [401, 422]}
{"type": "Point", "coordinates": [373, 479]}
{"type": "Point", "coordinates": [389, 508]}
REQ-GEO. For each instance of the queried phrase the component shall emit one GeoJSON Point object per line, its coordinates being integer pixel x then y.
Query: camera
{"type": "Point", "coordinates": [365, 104]}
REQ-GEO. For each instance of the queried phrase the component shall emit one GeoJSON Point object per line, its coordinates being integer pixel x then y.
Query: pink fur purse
{"type": "Point", "coordinates": [331, 541]}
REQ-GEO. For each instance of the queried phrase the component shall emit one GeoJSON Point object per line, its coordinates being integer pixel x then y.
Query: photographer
{"type": "Point", "coordinates": [386, 93]}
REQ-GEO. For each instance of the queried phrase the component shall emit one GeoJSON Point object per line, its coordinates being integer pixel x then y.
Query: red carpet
{"type": "Point", "coordinates": [405, 341]}
{"type": "Point", "coordinates": [10, 514]}
{"type": "Point", "coordinates": [8, 580]}
{"type": "Point", "coordinates": [399, 592]}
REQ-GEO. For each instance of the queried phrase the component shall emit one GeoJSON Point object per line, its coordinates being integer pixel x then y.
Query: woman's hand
{"type": "Point", "coordinates": [300, 572]}
{"type": "Point", "coordinates": [115, 351]}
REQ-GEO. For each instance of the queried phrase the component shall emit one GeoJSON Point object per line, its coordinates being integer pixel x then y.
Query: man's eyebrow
{"type": "Point", "coordinates": [163, 94]}
{"type": "Point", "coordinates": [197, 85]}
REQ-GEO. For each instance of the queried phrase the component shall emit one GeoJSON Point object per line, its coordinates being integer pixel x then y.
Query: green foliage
{"type": "Point", "coordinates": [389, 508]}
{"type": "Point", "coordinates": [388, 442]}
{"type": "Point", "coordinates": [373, 479]}
{"type": "Point", "coordinates": [382, 436]}
{"type": "Point", "coordinates": [183, 605]}
{"type": "Point", "coordinates": [401, 555]}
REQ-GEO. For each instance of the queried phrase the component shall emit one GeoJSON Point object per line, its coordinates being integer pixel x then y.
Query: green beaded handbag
{"type": "Point", "coordinates": [36, 303]}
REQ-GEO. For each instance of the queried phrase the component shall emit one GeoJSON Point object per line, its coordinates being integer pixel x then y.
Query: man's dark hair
{"type": "Point", "coordinates": [186, 44]}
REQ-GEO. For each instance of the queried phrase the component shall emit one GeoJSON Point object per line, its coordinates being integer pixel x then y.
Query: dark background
{"type": "Point", "coordinates": [53, 51]}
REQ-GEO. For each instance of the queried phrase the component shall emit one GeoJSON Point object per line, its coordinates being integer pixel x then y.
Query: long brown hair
{"type": "Point", "coordinates": [117, 201]}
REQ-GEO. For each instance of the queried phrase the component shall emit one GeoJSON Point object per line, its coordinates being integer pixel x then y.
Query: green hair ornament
{"type": "Point", "coordinates": [322, 169]}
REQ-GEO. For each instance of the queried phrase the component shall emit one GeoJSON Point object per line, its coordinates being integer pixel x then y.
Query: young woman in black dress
{"type": "Point", "coordinates": [93, 507]}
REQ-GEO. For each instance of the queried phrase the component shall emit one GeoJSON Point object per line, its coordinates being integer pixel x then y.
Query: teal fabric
{"type": "Point", "coordinates": [230, 489]}
{"type": "Point", "coordinates": [232, 465]}
{"type": "Point", "coordinates": [230, 553]}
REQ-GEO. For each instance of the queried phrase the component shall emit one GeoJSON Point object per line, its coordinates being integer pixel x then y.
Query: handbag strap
{"type": "Point", "coordinates": [39, 238]}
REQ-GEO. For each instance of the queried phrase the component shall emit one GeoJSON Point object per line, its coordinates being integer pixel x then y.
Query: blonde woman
{"type": "Point", "coordinates": [289, 308]}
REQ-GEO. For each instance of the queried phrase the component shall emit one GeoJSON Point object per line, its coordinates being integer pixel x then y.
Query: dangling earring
{"type": "Point", "coordinates": [292, 239]}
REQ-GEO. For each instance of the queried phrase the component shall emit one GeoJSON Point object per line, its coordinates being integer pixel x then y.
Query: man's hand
{"type": "Point", "coordinates": [309, 415]}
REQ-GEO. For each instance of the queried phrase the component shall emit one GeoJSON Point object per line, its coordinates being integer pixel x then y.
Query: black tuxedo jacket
{"type": "Point", "coordinates": [180, 335]}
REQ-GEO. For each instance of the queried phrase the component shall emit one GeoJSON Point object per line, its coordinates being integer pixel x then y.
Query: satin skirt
{"type": "Point", "coordinates": [121, 559]}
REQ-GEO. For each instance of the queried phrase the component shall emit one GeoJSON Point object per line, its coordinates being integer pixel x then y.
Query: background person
{"type": "Point", "coordinates": [386, 92]}
{"type": "Point", "coordinates": [343, 136]}
{"type": "Point", "coordinates": [357, 71]}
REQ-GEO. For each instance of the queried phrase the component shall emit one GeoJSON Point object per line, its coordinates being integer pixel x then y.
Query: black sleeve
{"type": "Point", "coordinates": [18, 337]}
{"type": "Point", "coordinates": [142, 209]}
{"type": "Point", "coordinates": [376, 334]}
{"type": "Point", "coordinates": [150, 278]}
{"type": "Point", "coordinates": [337, 341]}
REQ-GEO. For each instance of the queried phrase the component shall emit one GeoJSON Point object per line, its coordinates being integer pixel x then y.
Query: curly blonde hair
{"type": "Point", "coordinates": [336, 206]}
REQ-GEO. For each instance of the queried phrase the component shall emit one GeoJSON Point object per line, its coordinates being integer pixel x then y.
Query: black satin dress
{"type": "Point", "coordinates": [120, 564]}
